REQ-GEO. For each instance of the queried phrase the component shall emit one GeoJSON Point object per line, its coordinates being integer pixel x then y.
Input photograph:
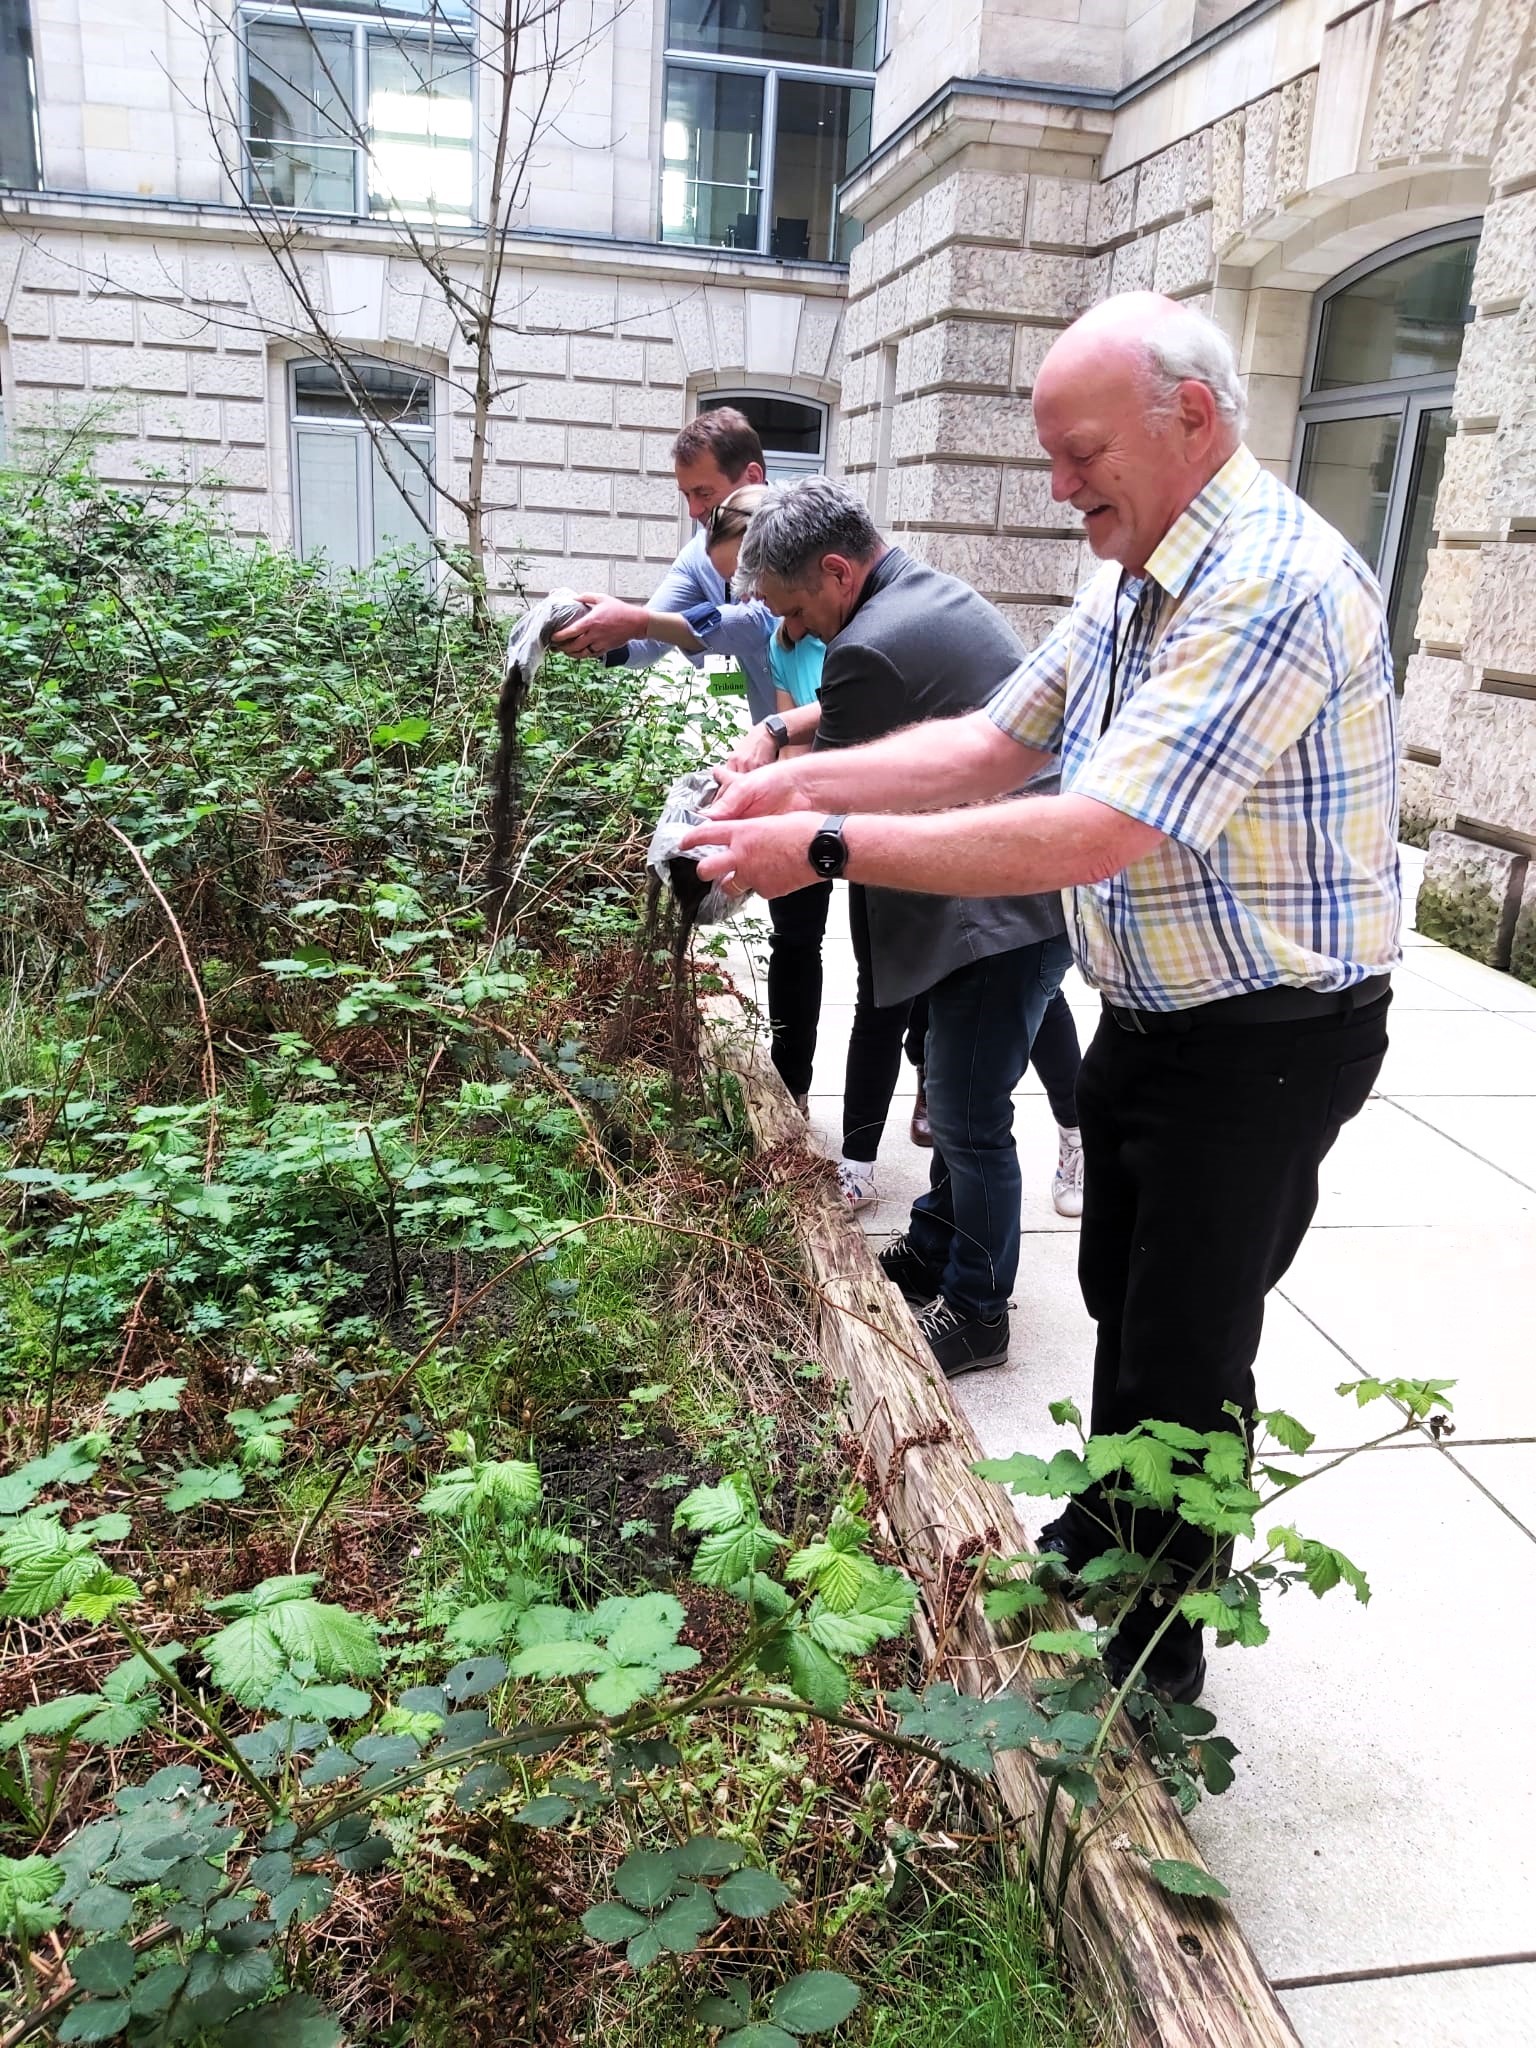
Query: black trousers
{"type": "Point", "coordinates": [1200, 1153]}
{"type": "Point", "coordinates": [794, 981]}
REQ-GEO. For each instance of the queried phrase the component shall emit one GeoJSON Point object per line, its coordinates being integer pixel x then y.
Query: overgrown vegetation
{"type": "Point", "coordinates": [389, 1366]}
{"type": "Point", "coordinates": [437, 1608]}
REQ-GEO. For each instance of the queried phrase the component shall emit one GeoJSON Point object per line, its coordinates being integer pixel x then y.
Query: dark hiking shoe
{"type": "Point", "coordinates": [963, 1343]}
{"type": "Point", "coordinates": [918, 1281]}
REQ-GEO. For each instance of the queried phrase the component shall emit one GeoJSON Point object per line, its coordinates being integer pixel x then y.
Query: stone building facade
{"type": "Point", "coordinates": [1349, 189]}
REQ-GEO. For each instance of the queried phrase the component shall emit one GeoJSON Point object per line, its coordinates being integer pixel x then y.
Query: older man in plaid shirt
{"type": "Point", "coordinates": [1222, 706]}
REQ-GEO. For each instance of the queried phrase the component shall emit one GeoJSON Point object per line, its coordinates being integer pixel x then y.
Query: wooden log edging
{"type": "Point", "coordinates": [1166, 1972]}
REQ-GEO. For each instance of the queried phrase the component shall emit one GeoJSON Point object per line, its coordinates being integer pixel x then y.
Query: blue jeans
{"type": "Point", "coordinates": [982, 1021]}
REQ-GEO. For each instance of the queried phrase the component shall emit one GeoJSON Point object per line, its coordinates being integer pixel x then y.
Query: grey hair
{"type": "Point", "coordinates": [1188, 348]}
{"type": "Point", "coordinates": [798, 523]}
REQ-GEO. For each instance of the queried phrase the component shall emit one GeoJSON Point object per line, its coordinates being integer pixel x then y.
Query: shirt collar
{"type": "Point", "coordinates": [1174, 559]}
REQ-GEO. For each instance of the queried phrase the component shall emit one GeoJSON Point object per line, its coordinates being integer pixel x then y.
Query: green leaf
{"type": "Point", "coordinates": [716, 1508]}
{"type": "Point", "coordinates": [706, 1856]}
{"type": "Point", "coordinates": [1227, 1458]}
{"type": "Point", "coordinates": [1022, 1473]}
{"type": "Point", "coordinates": [409, 732]}
{"type": "Point", "coordinates": [614, 1692]}
{"type": "Point", "coordinates": [196, 1485]}
{"type": "Point", "coordinates": [612, 1923]}
{"type": "Point", "coordinates": [474, 1678]}
{"type": "Point", "coordinates": [485, 1626]}
{"type": "Point", "coordinates": [101, 1910]}
{"type": "Point", "coordinates": [760, 2034]}
{"type": "Point", "coordinates": [1176, 1434]}
{"type": "Point", "coordinates": [836, 1574]}
{"type": "Point", "coordinates": [338, 1644]}
{"type": "Point", "coordinates": [246, 1659]}
{"type": "Point", "coordinates": [751, 1894]}
{"type": "Point", "coordinates": [1066, 1414]}
{"type": "Point", "coordinates": [295, 2021]}
{"type": "Point", "coordinates": [303, 1899]}
{"type": "Point", "coordinates": [643, 1949]}
{"type": "Point", "coordinates": [27, 1885]}
{"type": "Point", "coordinates": [814, 2002]}
{"type": "Point", "coordinates": [96, 2019]}
{"type": "Point", "coordinates": [545, 1812]}
{"type": "Point", "coordinates": [1150, 1465]}
{"type": "Point", "coordinates": [45, 1564]}
{"type": "Point", "coordinates": [155, 1397]}
{"type": "Point", "coordinates": [48, 1717]}
{"type": "Point", "coordinates": [105, 1966]}
{"type": "Point", "coordinates": [1002, 1603]}
{"type": "Point", "coordinates": [1286, 1430]}
{"type": "Point", "coordinates": [681, 1926]}
{"type": "Point", "coordinates": [1065, 1642]}
{"type": "Point", "coordinates": [480, 1784]}
{"type": "Point", "coordinates": [643, 1628]}
{"type": "Point", "coordinates": [817, 1678]}
{"type": "Point", "coordinates": [100, 1595]}
{"type": "Point", "coordinates": [730, 2007]}
{"type": "Point", "coordinates": [1186, 1879]}
{"type": "Point", "coordinates": [116, 1724]}
{"type": "Point", "coordinates": [733, 1554]}
{"type": "Point", "coordinates": [646, 1878]}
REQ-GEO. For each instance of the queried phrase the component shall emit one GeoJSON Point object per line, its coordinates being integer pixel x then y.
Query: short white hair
{"type": "Point", "coordinates": [1188, 348]}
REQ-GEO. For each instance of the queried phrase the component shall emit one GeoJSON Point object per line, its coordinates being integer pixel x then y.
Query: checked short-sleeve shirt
{"type": "Point", "coordinates": [1247, 683]}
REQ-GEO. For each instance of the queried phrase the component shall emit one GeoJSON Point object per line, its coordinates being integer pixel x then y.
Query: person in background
{"type": "Point", "coordinates": [907, 644]}
{"type": "Point", "coordinates": [714, 456]}
{"type": "Point", "coordinates": [1055, 1057]}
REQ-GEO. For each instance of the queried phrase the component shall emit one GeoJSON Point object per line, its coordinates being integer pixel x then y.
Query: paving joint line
{"type": "Point", "coordinates": [1398, 1103]}
{"type": "Point", "coordinates": [1385, 1971]}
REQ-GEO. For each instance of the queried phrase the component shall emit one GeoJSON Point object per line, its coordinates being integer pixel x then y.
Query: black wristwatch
{"type": "Point", "coordinates": [777, 728]}
{"type": "Point", "coordinates": [828, 851]}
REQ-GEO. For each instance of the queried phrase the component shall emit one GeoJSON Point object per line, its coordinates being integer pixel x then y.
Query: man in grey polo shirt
{"type": "Point", "coordinates": [904, 644]}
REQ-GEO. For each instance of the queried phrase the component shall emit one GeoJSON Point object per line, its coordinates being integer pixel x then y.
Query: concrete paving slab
{"type": "Point", "coordinates": [1365, 1829]}
{"type": "Point", "coordinates": [1499, 1130]}
{"type": "Point", "coordinates": [1485, 986]}
{"type": "Point", "coordinates": [1461, 2009]}
{"type": "Point", "coordinates": [1395, 1164]}
{"type": "Point", "coordinates": [1507, 1474]}
{"type": "Point", "coordinates": [1441, 1301]}
{"type": "Point", "coordinates": [1411, 991]}
{"type": "Point", "coordinates": [1438, 1052]}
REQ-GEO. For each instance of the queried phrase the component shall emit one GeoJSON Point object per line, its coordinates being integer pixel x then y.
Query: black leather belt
{"type": "Point", "coordinates": [1260, 1006]}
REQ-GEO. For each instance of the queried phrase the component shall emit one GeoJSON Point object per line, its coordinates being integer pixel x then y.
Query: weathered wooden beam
{"type": "Point", "coordinates": [1168, 1972]}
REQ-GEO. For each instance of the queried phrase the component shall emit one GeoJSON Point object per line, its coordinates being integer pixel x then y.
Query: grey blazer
{"type": "Point", "coordinates": [921, 645]}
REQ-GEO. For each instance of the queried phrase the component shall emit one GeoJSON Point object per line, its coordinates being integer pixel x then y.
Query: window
{"type": "Point", "coordinates": [358, 493]}
{"type": "Point", "coordinates": [361, 117]}
{"type": "Point", "coordinates": [1377, 414]}
{"type": "Point", "coordinates": [754, 146]}
{"type": "Point", "coordinates": [793, 431]}
{"type": "Point", "coordinates": [18, 100]}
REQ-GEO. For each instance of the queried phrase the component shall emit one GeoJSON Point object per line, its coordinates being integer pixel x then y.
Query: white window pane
{"type": "Point", "coordinates": [420, 126]}
{"type": "Point", "coordinates": [327, 496]}
{"type": "Point", "coordinates": [399, 483]}
{"type": "Point", "coordinates": [302, 125]}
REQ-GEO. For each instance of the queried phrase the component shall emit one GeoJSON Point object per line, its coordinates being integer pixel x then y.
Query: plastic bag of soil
{"type": "Point", "coordinates": [686, 806]}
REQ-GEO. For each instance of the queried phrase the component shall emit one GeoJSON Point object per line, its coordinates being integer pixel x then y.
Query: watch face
{"type": "Point", "coordinates": [827, 853]}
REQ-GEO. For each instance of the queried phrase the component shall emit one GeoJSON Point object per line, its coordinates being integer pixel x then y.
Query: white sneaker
{"type": "Point", "coordinates": [1067, 1183]}
{"type": "Point", "coordinates": [856, 1184]}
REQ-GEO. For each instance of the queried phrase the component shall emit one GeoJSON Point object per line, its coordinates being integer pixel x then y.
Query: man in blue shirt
{"type": "Point", "coordinates": [714, 455]}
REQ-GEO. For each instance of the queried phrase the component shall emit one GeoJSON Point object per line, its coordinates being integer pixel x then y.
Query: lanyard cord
{"type": "Point", "coordinates": [1119, 647]}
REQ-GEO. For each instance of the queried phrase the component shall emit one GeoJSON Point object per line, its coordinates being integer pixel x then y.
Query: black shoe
{"type": "Point", "coordinates": [922, 1130]}
{"type": "Point", "coordinates": [906, 1269]}
{"type": "Point", "coordinates": [1177, 1679]}
{"type": "Point", "coordinates": [963, 1343]}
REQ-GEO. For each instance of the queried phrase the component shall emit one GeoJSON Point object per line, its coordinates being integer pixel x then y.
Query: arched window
{"type": "Point", "coordinates": [793, 431]}
{"type": "Point", "coordinates": [1370, 441]}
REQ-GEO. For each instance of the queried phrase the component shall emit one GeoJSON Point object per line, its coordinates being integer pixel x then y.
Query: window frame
{"type": "Point", "coordinates": [799, 465]}
{"type": "Point", "coordinates": [360, 430]}
{"type": "Point", "coordinates": [1409, 397]}
{"type": "Point", "coordinates": [360, 23]}
{"type": "Point", "coordinates": [770, 70]}
{"type": "Point", "coordinates": [28, 16]}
